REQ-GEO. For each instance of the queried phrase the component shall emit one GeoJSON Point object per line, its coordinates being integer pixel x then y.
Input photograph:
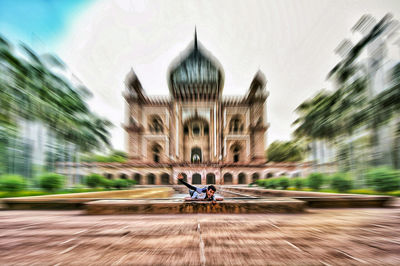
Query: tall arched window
{"type": "Point", "coordinates": [236, 152]}
{"type": "Point", "coordinates": [196, 130]}
{"type": "Point", "coordinates": [196, 155]}
{"type": "Point", "coordinates": [236, 125]}
{"type": "Point", "coordinates": [156, 124]}
{"type": "Point", "coordinates": [156, 149]}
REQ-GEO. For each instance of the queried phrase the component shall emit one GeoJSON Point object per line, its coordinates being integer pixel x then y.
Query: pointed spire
{"type": "Point", "coordinates": [195, 38]}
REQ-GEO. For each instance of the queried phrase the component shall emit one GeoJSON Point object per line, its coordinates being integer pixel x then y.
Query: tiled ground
{"type": "Point", "coordinates": [317, 237]}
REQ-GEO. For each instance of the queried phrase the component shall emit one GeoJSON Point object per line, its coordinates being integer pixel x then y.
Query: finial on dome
{"type": "Point", "coordinates": [195, 38]}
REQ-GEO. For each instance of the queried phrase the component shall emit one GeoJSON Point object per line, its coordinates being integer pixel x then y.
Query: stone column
{"type": "Point", "coordinates": [158, 179]}
{"type": "Point", "coordinates": [235, 178]}
{"type": "Point", "coordinates": [189, 177]}
{"type": "Point", "coordinates": [249, 177]}
{"type": "Point", "coordinates": [203, 177]}
{"type": "Point", "coordinates": [218, 178]}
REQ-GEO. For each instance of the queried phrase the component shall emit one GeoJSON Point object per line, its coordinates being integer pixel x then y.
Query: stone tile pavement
{"type": "Point", "coordinates": [317, 237]}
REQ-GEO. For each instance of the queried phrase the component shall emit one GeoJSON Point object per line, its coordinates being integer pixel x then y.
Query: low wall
{"type": "Point", "coordinates": [319, 199]}
{"type": "Point", "coordinates": [77, 200]}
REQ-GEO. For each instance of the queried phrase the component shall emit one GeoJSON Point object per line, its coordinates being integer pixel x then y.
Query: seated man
{"type": "Point", "coordinates": [206, 193]}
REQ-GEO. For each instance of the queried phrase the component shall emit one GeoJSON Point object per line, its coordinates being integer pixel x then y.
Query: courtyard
{"type": "Point", "coordinates": [368, 236]}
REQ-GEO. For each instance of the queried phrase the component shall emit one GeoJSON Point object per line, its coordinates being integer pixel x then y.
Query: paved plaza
{"type": "Point", "coordinates": [316, 237]}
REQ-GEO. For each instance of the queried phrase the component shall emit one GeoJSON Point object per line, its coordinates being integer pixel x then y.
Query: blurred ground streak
{"type": "Point", "coordinates": [319, 237]}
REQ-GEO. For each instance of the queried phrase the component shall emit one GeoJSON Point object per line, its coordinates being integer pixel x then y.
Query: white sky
{"type": "Point", "coordinates": [292, 42]}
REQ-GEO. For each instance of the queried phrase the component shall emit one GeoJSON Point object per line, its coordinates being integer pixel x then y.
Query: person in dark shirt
{"type": "Point", "coordinates": [206, 193]}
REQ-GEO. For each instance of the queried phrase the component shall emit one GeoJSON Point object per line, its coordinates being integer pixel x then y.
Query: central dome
{"type": "Point", "coordinates": [195, 72]}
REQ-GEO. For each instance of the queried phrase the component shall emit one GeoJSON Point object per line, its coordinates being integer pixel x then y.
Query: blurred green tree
{"type": "Point", "coordinates": [34, 88]}
{"type": "Point", "coordinates": [284, 151]}
{"type": "Point", "coordinates": [334, 116]}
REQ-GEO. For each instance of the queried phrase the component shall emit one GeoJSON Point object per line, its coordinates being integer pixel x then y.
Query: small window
{"type": "Point", "coordinates": [156, 153]}
{"type": "Point", "coordinates": [196, 130]}
{"type": "Point", "coordinates": [156, 125]}
{"type": "Point", "coordinates": [236, 125]}
{"type": "Point", "coordinates": [186, 130]}
{"type": "Point", "coordinates": [206, 130]}
{"type": "Point", "coordinates": [236, 153]}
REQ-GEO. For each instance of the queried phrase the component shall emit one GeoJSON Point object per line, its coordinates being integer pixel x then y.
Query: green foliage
{"type": "Point", "coordinates": [32, 88]}
{"type": "Point", "coordinates": [23, 193]}
{"type": "Point", "coordinates": [52, 181]}
{"type": "Point", "coordinates": [363, 191]}
{"type": "Point", "coordinates": [298, 182]}
{"type": "Point", "coordinates": [106, 183]}
{"type": "Point", "coordinates": [341, 182]}
{"type": "Point", "coordinates": [395, 193]}
{"type": "Point", "coordinates": [12, 183]}
{"type": "Point", "coordinates": [273, 183]}
{"type": "Point", "coordinates": [383, 179]}
{"type": "Point", "coordinates": [121, 183]}
{"type": "Point", "coordinates": [336, 115]}
{"type": "Point", "coordinates": [117, 153]}
{"type": "Point", "coordinates": [94, 180]}
{"type": "Point", "coordinates": [26, 193]}
{"type": "Point", "coordinates": [283, 182]}
{"type": "Point", "coordinates": [284, 151]}
{"type": "Point", "coordinates": [131, 182]}
{"type": "Point", "coordinates": [315, 180]}
{"type": "Point", "coordinates": [261, 182]}
{"type": "Point", "coordinates": [113, 158]}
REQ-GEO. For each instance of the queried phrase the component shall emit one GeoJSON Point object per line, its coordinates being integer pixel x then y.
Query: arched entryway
{"type": "Point", "coordinates": [138, 178]}
{"type": "Point", "coordinates": [165, 179]}
{"type": "Point", "coordinates": [196, 179]}
{"type": "Point", "coordinates": [228, 179]}
{"type": "Point", "coordinates": [210, 178]}
{"type": "Point", "coordinates": [184, 177]}
{"type": "Point", "coordinates": [123, 176]}
{"type": "Point", "coordinates": [255, 177]}
{"type": "Point", "coordinates": [269, 175]}
{"type": "Point", "coordinates": [242, 178]}
{"type": "Point", "coordinates": [108, 176]}
{"type": "Point", "coordinates": [151, 179]}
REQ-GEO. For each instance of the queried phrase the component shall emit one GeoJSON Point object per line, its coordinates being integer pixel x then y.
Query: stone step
{"type": "Point", "coordinates": [176, 206]}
